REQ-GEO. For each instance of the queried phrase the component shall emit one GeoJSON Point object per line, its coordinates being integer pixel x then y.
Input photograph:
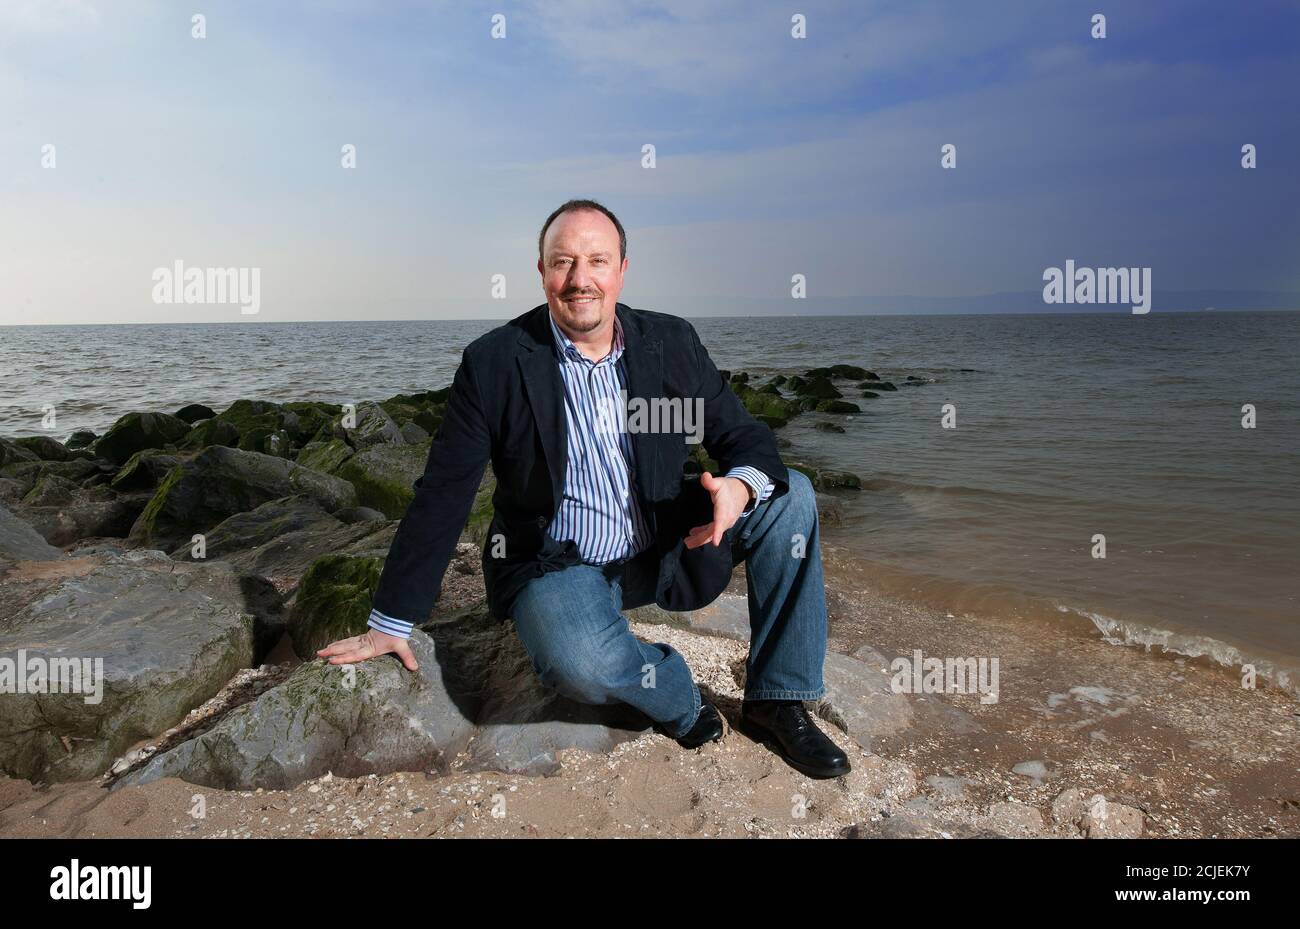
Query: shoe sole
{"type": "Point", "coordinates": [763, 737]}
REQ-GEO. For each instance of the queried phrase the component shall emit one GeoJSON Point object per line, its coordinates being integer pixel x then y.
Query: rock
{"type": "Point", "coordinates": [849, 372]}
{"type": "Point", "coordinates": [837, 406]}
{"type": "Point", "coordinates": [727, 616]}
{"type": "Point", "coordinates": [332, 601]}
{"type": "Point", "coordinates": [870, 394]}
{"type": "Point", "coordinates": [194, 413]}
{"type": "Point", "coordinates": [51, 490]}
{"type": "Point", "coordinates": [78, 513]}
{"type": "Point", "coordinates": [384, 475]}
{"type": "Point", "coordinates": [819, 388]}
{"type": "Point", "coordinates": [1013, 819]}
{"type": "Point", "coordinates": [359, 514]}
{"type": "Point", "coordinates": [135, 432]}
{"type": "Point", "coordinates": [1070, 807]}
{"type": "Point", "coordinates": [160, 639]}
{"type": "Point", "coordinates": [1031, 769]}
{"type": "Point", "coordinates": [1106, 820]}
{"type": "Point", "coordinates": [882, 385]}
{"type": "Point", "coordinates": [826, 479]}
{"type": "Point", "coordinates": [11, 490]}
{"type": "Point", "coordinates": [414, 434]}
{"type": "Point", "coordinates": [475, 696]}
{"type": "Point", "coordinates": [20, 542]}
{"type": "Point", "coordinates": [80, 439]}
{"type": "Point", "coordinates": [144, 470]}
{"type": "Point", "coordinates": [279, 539]}
{"type": "Point", "coordinates": [866, 383]}
{"type": "Point", "coordinates": [11, 453]}
{"type": "Point", "coordinates": [1095, 816]}
{"type": "Point", "coordinates": [859, 699]}
{"type": "Point", "coordinates": [198, 494]}
{"type": "Point", "coordinates": [43, 447]}
{"type": "Point", "coordinates": [78, 470]}
{"type": "Point", "coordinates": [325, 457]}
{"type": "Point", "coordinates": [210, 432]}
{"type": "Point", "coordinates": [828, 427]}
{"type": "Point", "coordinates": [373, 426]}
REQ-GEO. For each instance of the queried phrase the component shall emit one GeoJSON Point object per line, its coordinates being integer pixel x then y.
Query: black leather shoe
{"type": "Point", "coordinates": [804, 747]}
{"type": "Point", "coordinates": [707, 728]}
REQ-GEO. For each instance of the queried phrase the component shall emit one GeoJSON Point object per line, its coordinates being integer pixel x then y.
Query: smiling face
{"type": "Point", "coordinates": [582, 274]}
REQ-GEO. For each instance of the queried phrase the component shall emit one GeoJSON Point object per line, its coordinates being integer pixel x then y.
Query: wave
{"type": "Point", "coordinates": [1192, 645]}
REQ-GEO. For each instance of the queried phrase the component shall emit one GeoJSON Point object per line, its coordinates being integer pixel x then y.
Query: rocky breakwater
{"type": "Point", "coordinates": [177, 550]}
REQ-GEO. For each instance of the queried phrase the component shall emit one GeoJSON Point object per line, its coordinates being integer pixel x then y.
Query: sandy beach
{"type": "Point", "coordinates": [1176, 748]}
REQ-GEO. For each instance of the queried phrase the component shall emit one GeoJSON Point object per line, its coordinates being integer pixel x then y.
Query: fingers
{"type": "Point", "coordinates": [404, 652]}
{"type": "Point", "coordinates": [699, 535]}
{"type": "Point", "coordinates": [347, 651]}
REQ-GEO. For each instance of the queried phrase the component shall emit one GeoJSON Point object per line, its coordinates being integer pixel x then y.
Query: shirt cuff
{"type": "Point", "coordinates": [757, 480]}
{"type": "Point", "coordinates": [387, 624]}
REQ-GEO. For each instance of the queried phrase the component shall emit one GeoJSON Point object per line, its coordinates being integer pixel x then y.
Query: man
{"type": "Point", "coordinates": [590, 520]}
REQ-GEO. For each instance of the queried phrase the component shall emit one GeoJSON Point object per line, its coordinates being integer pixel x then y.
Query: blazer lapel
{"type": "Point", "coordinates": [644, 364]}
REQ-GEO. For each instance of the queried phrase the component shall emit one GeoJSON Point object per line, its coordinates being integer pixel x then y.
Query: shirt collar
{"type": "Point", "coordinates": [566, 347]}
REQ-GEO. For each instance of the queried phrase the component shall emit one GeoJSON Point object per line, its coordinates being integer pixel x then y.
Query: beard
{"type": "Point", "coordinates": [582, 319]}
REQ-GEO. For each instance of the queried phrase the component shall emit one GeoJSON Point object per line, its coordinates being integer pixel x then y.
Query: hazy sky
{"type": "Point", "coordinates": [775, 155]}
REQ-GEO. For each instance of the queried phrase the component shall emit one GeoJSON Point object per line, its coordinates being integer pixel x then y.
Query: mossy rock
{"type": "Point", "coordinates": [838, 406]}
{"type": "Point", "coordinates": [303, 419]}
{"type": "Point", "coordinates": [197, 495]}
{"type": "Point", "coordinates": [384, 476]}
{"type": "Point", "coordinates": [43, 447]}
{"type": "Point", "coordinates": [849, 372]}
{"type": "Point", "coordinates": [770, 389]}
{"type": "Point", "coordinates": [777, 410]}
{"type": "Point", "coordinates": [813, 374]}
{"type": "Point", "coordinates": [332, 602]}
{"type": "Point", "coordinates": [210, 432]}
{"type": "Point", "coordinates": [138, 431]}
{"type": "Point", "coordinates": [819, 388]}
{"type": "Point", "coordinates": [144, 471]}
{"type": "Point", "coordinates": [195, 412]}
{"type": "Point", "coordinates": [883, 385]}
{"type": "Point", "coordinates": [82, 438]}
{"type": "Point", "coordinates": [828, 427]}
{"type": "Point", "coordinates": [870, 394]}
{"type": "Point", "coordinates": [826, 479]}
{"type": "Point", "coordinates": [326, 457]}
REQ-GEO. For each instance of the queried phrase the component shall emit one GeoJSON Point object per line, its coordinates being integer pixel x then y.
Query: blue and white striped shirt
{"type": "Point", "coordinates": [599, 511]}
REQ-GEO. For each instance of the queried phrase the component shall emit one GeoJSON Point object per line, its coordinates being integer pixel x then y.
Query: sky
{"type": "Point", "coordinates": [774, 156]}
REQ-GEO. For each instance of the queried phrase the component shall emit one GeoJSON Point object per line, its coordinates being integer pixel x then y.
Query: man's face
{"type": "Point", "coordinates": [582, 275]}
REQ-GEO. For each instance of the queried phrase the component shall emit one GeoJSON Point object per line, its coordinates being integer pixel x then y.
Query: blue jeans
{"type": "Point", "coordinates": [571, 625]}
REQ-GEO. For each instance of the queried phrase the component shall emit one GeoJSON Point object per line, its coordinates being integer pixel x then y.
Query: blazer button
{"type": "Point", "coordinates": [541, 521]}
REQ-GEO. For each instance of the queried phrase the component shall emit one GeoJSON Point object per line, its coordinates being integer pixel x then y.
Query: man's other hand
{"type": "Point", "coordinates": [370, 644]}
{"type": "Point", "coordinates": [730, 497]}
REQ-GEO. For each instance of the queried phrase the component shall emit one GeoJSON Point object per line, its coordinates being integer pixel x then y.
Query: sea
{"type": "Point", "coordinates": [1139, 472]}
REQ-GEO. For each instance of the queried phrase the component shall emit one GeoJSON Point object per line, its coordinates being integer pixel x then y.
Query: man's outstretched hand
{"type": "Point", "coordinates": [730, 497]}
{"type": "Point", "coordinates": [370, 644]}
